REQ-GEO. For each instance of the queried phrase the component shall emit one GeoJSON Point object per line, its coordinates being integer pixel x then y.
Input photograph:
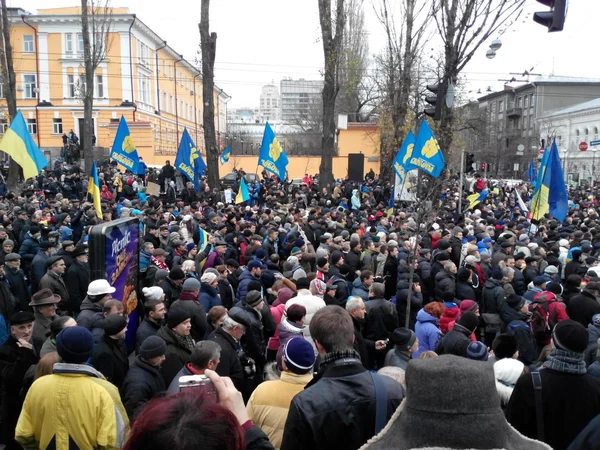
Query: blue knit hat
{"type": "Point", "coordinates": [477, 351]}
{"type": "Point", "coordinates": [299, 355]}
{"type": "Point", "coordinates": [75, 344]}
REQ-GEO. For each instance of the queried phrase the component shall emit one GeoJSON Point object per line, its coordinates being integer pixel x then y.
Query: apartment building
{"type": "Point", "coordinates": [142, 78]}
{"type": "Point", "coordinates": [300, 100]}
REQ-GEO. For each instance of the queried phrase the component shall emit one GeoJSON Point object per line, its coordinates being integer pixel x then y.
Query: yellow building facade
{"type": "Point", "coordinates": [142, 78]}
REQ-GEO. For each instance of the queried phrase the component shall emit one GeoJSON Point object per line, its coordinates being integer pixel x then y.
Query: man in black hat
{"type": "Point", "coordinates": [78, 277]}
{"type": "Point", "coordinates": [43, 303]}
{"type": "Point", "coordinates": [65, 251]}
{"type": "Point", "coordinates": [570, 398]}
{"type": "Point", "coordinates": [16, 357]}
{"type": "Point", "coordinates": [38, 265]}
{"type": "Point", "coordinates": [17, 281]}
{"type": "Point", "coordinates": [53, 280]}
{"type": "Point", "coordinates": [30, 246]}
{"type": "Point", "coordinates": [110, 354]}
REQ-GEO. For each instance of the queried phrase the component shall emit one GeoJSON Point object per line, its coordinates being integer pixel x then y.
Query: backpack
{"type": "Point", "coordinates": [542, 322]}
{"type": "Point", "coordinates": [480, 184]}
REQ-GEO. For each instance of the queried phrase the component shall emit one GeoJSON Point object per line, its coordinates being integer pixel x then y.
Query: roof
{"type": "Point", "coordinates": [536, 81]}
{"type": "Point", "coordinates": [571, 80]}
{"type": "Point", "coordinates": [591, 104]}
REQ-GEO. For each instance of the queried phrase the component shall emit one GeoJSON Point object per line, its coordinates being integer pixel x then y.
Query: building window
{"type": "Point", "coordinates": [143, 54]}
{"type": "Point", "coordinates": [28, 46]}
{"type": "Point", "coordinates": [79, 43]}
{"type": "Point", "coordinates": [525, 101]}
{"type": "Point", "coordinates": [69, 43]}
{"type": "Point", "coordinates": [29, 86]}
{"type": "Point", "coordinates": [32, 126]}
{"type": "Point", "coordinates": [57, 126]}
{"type": "Point", "coordinates": [155, 132]}
{"type": "Point", "coordinates": [172, 104]}
{"type": "Point", "coordinates": [99, 86]}
{"type": "Point", "coordinates": [170, 71]}
{"type": "Point", "coordinates": [99, 41]}
{"type": "Point", "coordinates": [585, 135]}
{"type": "Point", "coordinates": [164, 68]}
{"type": "Point", "coordinates": [71, 85]}
{"type": "Point", "coordinates": [165, 105]}
{"type": "Point", "coordinates": [520, 102]}
{"type": "Point", "coordinates": [531, 103]}
{"type": "Point", "coordinates": [144, 90]}
{"type": "Point", "coordinates": [3, 126]}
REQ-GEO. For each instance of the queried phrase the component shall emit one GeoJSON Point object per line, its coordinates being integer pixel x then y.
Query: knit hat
{"type": "Point", "coordinates": [75, 344]}
{"type": "Point", "coordinates": [539, 280]}
{"type": "Point", "coordinates": [457, 230]}
{"type": "Point", "coordinates": [176, 274]}
{"type": "Point", "coordinates": [555, 288]}
{"type": "Point", "coordinates": [469, 320]}
{"type": "Point", "coordinates": [253, 298]}
{"type": "Point", "coordinates": [293, 260]}
{"type": "Point", "coordinates": [463, 274]}
{"type": "Point", "coordinates": [335, 257]}
{"type": "Point", "coordinates": [477, 351]}
{"type": "Point", "coordinates": [152, 347]}
{"type": "Point", "coordinates": [299, 355]}
{"type": "Point", "coordinates": [261, 253]}
{"type": "Point", "coordinates": [570, 336]}
{"type": "Point", "coordinates": [191, 284]}
{"type": "Point", "coordinates": [485, 255]}
{"type": "Point", "coordinates": [295, 251]}
{"type": "Point", "coordinates": [515, 301]}
{"type": "Point", "coordinates": [468, 305]}
{"type": "Point", "coordinates": [321, 262]}
{"type": "Point", "coordinates": [113, 324]}
{"type": "Point", "coordinates": [319, 286]}
{"type": "Point", "coordinates": [191, 246]}
{"type": "Point", "coordinates": [299, 242]}
{"type": "Point", "coordinates": [442, 244]}
{"type": "Point", "coordinates": [403, 338]}
{"type": "Point", "coordinates": [551, 270]}
{"type": "Point", "coordinates": [152, 293]}
{"type": "Point", "coordinates": [177, 315]}
{"type": "Point", "coordinates": [254, 264]}
{"type": "Point", "coordinates": [504, 346]}
{"type": "Point", "coordinates": [497, 274]}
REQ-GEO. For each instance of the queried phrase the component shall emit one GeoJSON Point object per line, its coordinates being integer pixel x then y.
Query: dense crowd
{"type": "Point", "coordinates": [320, 320]}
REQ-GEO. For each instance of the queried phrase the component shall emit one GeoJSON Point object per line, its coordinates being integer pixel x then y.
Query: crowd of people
{"type": "Point", "coordinates": [319, 320]}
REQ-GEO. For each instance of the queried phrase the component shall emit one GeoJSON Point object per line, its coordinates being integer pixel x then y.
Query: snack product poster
{"type": "Point", "coordinates": [121, 271]}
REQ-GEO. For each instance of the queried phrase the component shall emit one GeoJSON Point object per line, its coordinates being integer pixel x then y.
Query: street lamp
{"type": "Point", "coordinates": [495, 45]}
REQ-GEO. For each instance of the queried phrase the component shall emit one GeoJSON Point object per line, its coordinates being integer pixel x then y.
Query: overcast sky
{"type": "Point", "coordinates": [262, 41]}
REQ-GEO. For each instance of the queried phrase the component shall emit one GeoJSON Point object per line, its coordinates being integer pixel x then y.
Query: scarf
{"type": "Point", "coordinates": [186, 342]}
{"type": "Point", "coordinates": [565, 361]}
{"type": "Point", "coordinates": [159, 264]}
{"type": "Point", "coordinates": [335, 356]}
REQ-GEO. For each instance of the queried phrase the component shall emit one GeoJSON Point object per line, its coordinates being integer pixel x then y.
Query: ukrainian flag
{"type": "Point", "coordinates": [18, 143]}
{"type": "Point", "coordinates": [551, 193]}
{"type": "Point", "coordinates": [477, 198]}
{"type": "Point", "coordinates": [390, 210]}
{"type": "Point", "coordinates": [243, 194]}
{"type": "Point", "coordinates": [225, 156]}
{"type": "Point", "coordinates": [94, 190]}
{"type": "Point", "coordinates": [204, 238]}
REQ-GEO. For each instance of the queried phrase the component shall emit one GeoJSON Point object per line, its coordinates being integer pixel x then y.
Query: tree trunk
{"type": "Point", "coordinates": [208, 45]}
{"type": "Point", "coordinates": [10, 89]}
{"type": "Point", "coordinates": [88, 95]}
{"type": "Point", "coordinates": [331, 52]}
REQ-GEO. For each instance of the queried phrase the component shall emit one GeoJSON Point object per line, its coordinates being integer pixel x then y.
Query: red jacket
{"type": "Point", "coordinates": [557, 310]}
{"type": "Point", "coordinates": [450, 315]}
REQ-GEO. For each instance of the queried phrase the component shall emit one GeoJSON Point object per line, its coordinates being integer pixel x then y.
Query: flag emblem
{"type": "Point", "coordinates": [275, 150]}
{"type": "Point", "coordinates": [128, 144]}
{"type": "Point", "coordinates": [431, 148]}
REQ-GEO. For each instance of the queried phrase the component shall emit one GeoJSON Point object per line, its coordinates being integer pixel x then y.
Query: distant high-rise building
{"type": "Point", "coordinates": [270, 106]}
{"type": "Point", "coordinates": [300, 99]}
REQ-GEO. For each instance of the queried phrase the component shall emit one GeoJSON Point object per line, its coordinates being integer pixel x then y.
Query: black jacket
{"type": "Point", "coordinates": [89, 314]}
{"type": "Point", "coordinates": [416, 302]}
{"type": "Point", "coordinates": [589, 438]}
{"type": "Point", "coordinates": [171, 291]}
{"type": "Point", "coordinates": [229, 365]}
{"type": "Point", "coordinates": [455, 342]}
{"type": "Point", "coordinates": [570, 402]}
{"type": "Point", "coordinates": [110, 359]}
{"type": "Point", "coordinates": [390, 276]}
{"type": "Point", "coordinates": [38, 269]}
{"type": "Point", "coordinates": [18, 287]}
{"type": "Point", "coordinates": [361, 345]}
{"type": "Point", "coordinates": [253, 340]}
{"type": "Point", "coordinates": [494, 302]}
{"type": "Point", "coordinates": [353, 261]}
{"type": "Point", "coordinates": [465, 291]}
{"type": "Point", "coordinates": [176, 356]}
{"type": "Point", "coordinates": [582, 307]}
{"type": "Point", "coordinates": [142, 383]}
{"type": "Point", "coordinates": [518, 282]}
{"type": "Point", "coordinates": [336, 410]}
{"type": "Point", "coordinates": [146, 329]}
{"type": "Point", "coordinates": [444, 283]}
{"type": "Point", "coordinates": [382, 319]}
{"type": "Point", "coordinates": [198, 316]}
{"type": "Point", "coordinates": [78, 279]}
{"type": "Point", "coordinates": [456, 246]}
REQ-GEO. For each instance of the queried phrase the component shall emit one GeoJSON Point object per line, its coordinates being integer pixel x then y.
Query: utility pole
{"type": "Point", "coordinates": [462, 171]}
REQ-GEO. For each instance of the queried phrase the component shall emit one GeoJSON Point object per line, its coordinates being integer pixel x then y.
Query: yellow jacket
{"type": "Point", "coordinates": [74, 404]}
{"type": "Point", "coordinates": [270, 402]}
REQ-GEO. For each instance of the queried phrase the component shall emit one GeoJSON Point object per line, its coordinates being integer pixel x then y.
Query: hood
{"type": "Point", "coordinates": [208, 289]}
{"type": "Point", "coordinates": [359, 284]}
{"type": "Point", "coordinates": [491, 283]}
{"type": "Point", "coordinates": [423, 316]}
{"type": "Point", "coordinates": [354, 192]}
{"type": "Point", "coordinates": [508, 370]}
{"type": "Point", "coordinates": [441, 275]}
{"type": "Point", "coordinates": [451, 313]}
{"type": "Point", "coordinates": [87, 304]}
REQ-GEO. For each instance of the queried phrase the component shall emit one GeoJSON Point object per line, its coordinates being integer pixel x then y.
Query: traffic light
{"type": "Point", "coordinates": [553, 19]}
{"type": "Point", "coordinates": [435, 100]}
{"type": "Point", "coordinates": [482, 166]}
{"type": "Point", "coordinates": [469, 162]}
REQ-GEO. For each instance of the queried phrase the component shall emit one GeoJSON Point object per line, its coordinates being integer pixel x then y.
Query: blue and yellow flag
{"type": "Point", "coordinates": [426, 154]}
{"type": "Point", "coordinates": [476, 198]}
{"type": "Point", "coordinates": [243, 194]}
{"type": "Point", "coordinates": [204, 238]}
{"type": "Point", "coordinates": [539, 201]}
{"type": "Point", "coordinates": [390, 209]}
{"type": "Point", "coordinates": [18, 143]}
{"type": "Point", "coordinates": [188, 160]}
{"type": "Point", "coordinates": [403, 156]}
{"type": "Point", "coordinates": [225, 156]}
{"type": "Point", "coordinates": [557, 196]}
{"type": "Point", "coordinates": [123, 149]}
{"type": "Point", "coordinates": [271, 156]}
{"type": "Point", "coordinates": [94, 190]}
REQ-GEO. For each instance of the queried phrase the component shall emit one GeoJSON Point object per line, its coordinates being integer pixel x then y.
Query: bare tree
{"type": "Point", "coordinates": [9, 86]}
{"type": "Point", "coordinates": [208, 50]}
{"type": "Point", "coordinates": [96, 17]}
{"type": "Point", "coordinates": [332, 31]}
{"type": "Point", "coordinates": [464, 25]}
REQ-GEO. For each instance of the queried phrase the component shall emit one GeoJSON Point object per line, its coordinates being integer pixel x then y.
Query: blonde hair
{"type": "Point", "coordinates": [188, 266]}
{"type": "Point", "coordinates": [395, 373]}
{"type": "Point", "coordinates": [428, 354]}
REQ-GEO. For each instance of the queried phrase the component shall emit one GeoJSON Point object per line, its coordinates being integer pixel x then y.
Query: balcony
{"type": "Point", "coordinates": [514, 112]}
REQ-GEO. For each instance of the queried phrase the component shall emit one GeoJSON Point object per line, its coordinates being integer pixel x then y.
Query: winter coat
{"type": "Point", "coordinates": [56, 284]}
{"type": "Point", "coordinates": [17, 281]}
{"type": "Point", "coordinates": [208, 297]}
{"type": "Point", "coordinates": [519, 283]}
{"type": "Point", "coordinates": [269, 404]}
{"type": "Point", "coordinates": [582, 307]}
{"type": "Point", "coordinates": [424, 272]}
{"type": "Point", "coordinates": [28, 249]}
{"type": "Point", "coordinates": [98, 422]}
{"type": "Point", "coordinates": [146, 329]}
{"type": "Point", "coordinates": [528, 348]}
{"type": "Point", "coordinates": [494, 301]}
{"type": "Point", "coordinates": [89, 314]}
{"type": "Point", "coordinates": [570, 402]}
{"type": "Point", "coordinates": [362, 346]}
{"type": "Point", "coordinates": [382, 319]}
{"type": "Point", "coordinates": [456, 246]}
{"type": "Point", "coordinates": [78, 279]}
{"type": "Point", "coordinates": [38, 269]}
{"type": "Point", "coordinates": [337, 409]}
{"type": "Point", "coordinates": [507, 372]}
{"type": "Point", "coordinates": [444, 284]}
{"type": "Point", "coordinates": [416, 302]}
{"type": "Point", "coordinates": [455, 342]}
{"type": "Point", "coordinates": [41, 326]}
{"type": "Point", "coordinates": [312, 305]}
{"type": "Point", "coordinates": [244, 280]}
{"type": "Point", "coordinates": [396, 358]}
{"type": "Point", "coordinates": [198, 314]}
{"type": "Point", "coordinates": [343, 289]}
{"type": "Point", "coordinates": [353, 260]}
{"type": "Point", "coordinates": [427, 331]}
{"type": "Point", "coordinates": [171, 291]}
{"type": "Point", "coordinates": [177, 354]}
{"type": "Point", "coordinates": [390, 276]}
{"type": "Point", "coordinates": [111, 360]}
{"type": "Point", "coordinates": [253, 340]}
{"type": "Point", "coordinates": [465, 291]}
{"type": "Point", "coordinates": [360, 290]}
{"type": "Point", "coordinates": [142, 383]}
{"type": "Point", "coordinates": [226, 293]}
{"type": "Point", "coordinates": [229, 364]}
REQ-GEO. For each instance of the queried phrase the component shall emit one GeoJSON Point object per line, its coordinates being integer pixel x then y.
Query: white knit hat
{"type": "Point", "coordinates": [152, 293]}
